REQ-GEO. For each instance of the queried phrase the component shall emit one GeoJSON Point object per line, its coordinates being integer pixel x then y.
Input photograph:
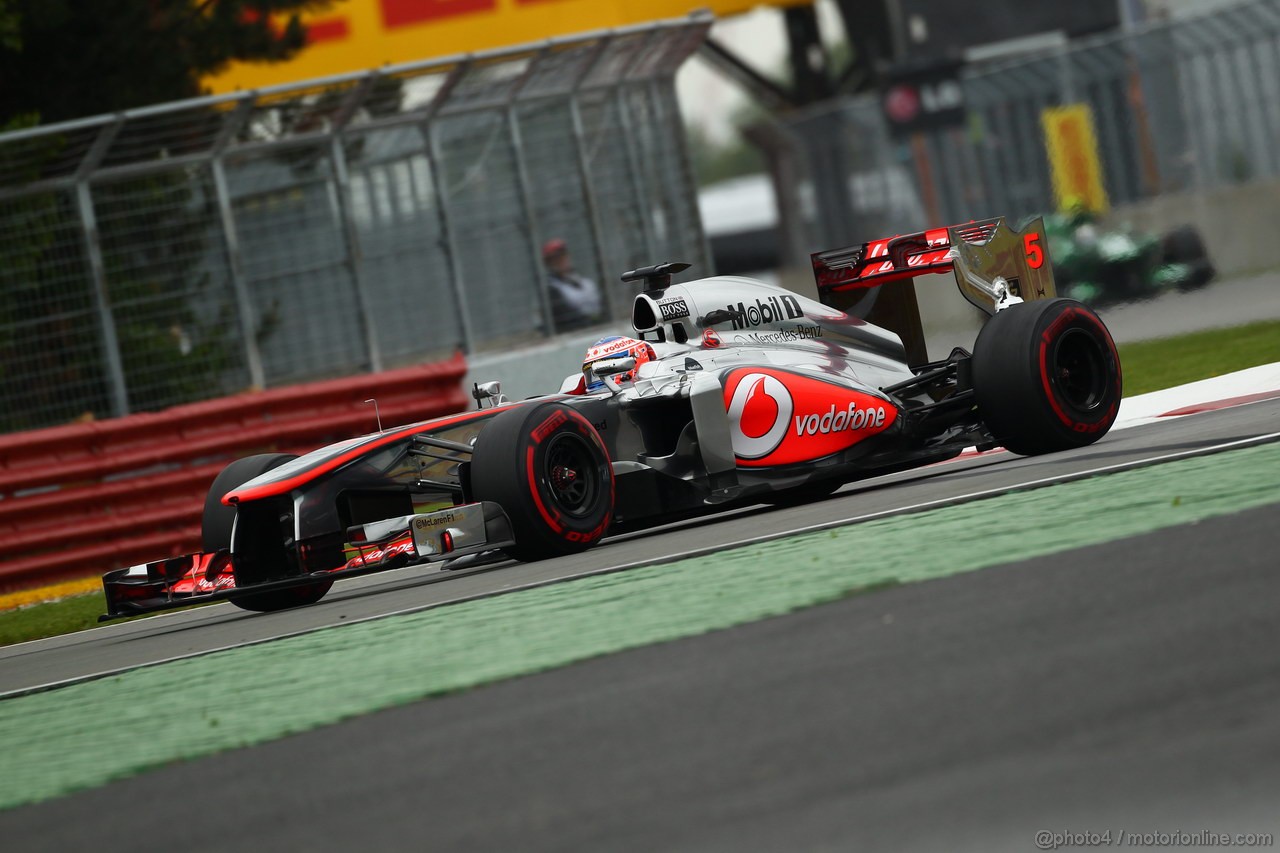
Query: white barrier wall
{"type": "Point", "coordinates": [1238, 223]}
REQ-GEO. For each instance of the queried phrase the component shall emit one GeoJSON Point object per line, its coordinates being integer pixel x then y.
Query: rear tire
{"type": "Point", "coordinates": [548, 469]}
{"type": "Point", "coordinates": [219, 520]}
{"type": "Point", "coordinates": [1184, 245]}
{"type": "Point", "coordinates": [1046, 376]}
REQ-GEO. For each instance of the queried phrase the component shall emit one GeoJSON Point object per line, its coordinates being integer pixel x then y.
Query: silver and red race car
{"type": "Point", "coordinates": [731, 392]}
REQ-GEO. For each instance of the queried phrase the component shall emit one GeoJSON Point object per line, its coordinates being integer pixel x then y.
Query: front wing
{"type": "Point", "coordinates": [202, 577]}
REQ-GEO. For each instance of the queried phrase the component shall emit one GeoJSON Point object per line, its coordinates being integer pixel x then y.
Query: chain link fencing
{"type": "Point", "coordinates": [188, 251]}
{"type": "Point", "coordinates": [1178, 106]}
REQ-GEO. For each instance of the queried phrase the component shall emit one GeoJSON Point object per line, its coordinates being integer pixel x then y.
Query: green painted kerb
{"type": "Point", "coordinates": [83, 735]}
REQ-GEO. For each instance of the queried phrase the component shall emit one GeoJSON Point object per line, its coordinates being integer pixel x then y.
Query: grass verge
{"type": "Point", "coordinates": [51, 619]}
{"type": "Point", "coordinates": [1148, 366]}
{"type": "Point", "coordinates": [1166, 362]}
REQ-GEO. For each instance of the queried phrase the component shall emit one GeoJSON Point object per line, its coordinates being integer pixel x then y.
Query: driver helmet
{"type": "Point", "coordinates": [615, 346]}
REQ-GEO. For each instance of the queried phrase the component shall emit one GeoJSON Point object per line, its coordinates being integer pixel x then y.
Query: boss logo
{"type": "Point", "coordinates": [673, 309]}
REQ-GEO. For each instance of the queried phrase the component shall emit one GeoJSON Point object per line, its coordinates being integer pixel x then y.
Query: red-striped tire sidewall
{"type": "Point", "coordinates": [1018, 396]}
{"type": "Point", "coordinates": [508, 467]}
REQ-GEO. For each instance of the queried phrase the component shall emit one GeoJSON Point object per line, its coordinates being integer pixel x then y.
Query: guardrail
{"type": "Point", "coordinates": [81, 499]}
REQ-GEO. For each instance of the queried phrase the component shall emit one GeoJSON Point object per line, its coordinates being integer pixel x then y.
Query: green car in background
{"type": "Point", "coordinates": [1099, 266]}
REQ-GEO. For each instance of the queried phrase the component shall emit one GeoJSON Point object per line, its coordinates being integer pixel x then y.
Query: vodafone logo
{"type": "Point", "coordinates": [837, 421]}
{"type": "Point", "coordinates": [759, 412]}
{"type": "Point", "coordinates": [781, 417]}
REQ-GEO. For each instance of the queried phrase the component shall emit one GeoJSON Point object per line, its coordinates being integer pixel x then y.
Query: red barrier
{"type": "Point", "coordinates": [82, 499]}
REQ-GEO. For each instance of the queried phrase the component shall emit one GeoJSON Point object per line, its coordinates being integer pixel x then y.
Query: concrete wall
{"type": "Point", "coordinates": [1240, 224]}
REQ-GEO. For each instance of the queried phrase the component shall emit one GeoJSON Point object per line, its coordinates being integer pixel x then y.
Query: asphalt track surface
{"type": "Point", "coordinates": [1131, 686]}
{"type": "Point", "coordinates": [1224, 303]}
{"type": "Point", "coordinates": [124, 645]}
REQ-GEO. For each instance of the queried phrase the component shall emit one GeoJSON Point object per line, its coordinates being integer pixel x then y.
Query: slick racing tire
{"type": "Point", "coordinates": [546, 466]}
{"type": "Point", "coordinates": [217, 523]}
{"type": "Point", "coordinates": [1184, 245]}
{"type": "Point", "coordinates": [1046, 376]}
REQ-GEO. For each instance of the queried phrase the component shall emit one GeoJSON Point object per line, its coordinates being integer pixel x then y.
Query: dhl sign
{"type": "Point", "coordinates": [353, 35]}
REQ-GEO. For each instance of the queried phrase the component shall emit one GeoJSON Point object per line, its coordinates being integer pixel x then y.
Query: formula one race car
{"type": "Point", "coordinates": [1101, 266]}
{"type": "Point", "coordinates": [733, 392]}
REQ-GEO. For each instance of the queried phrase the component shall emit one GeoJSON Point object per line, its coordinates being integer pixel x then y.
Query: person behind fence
{"type": "Point", "coordinates": [575, 299]}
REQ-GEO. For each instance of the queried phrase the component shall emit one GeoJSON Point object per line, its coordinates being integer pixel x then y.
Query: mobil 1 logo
{"type": "Point", "coordinates": [762, 312]}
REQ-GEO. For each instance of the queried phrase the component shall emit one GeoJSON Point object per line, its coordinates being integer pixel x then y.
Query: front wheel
{"type": "Point", "coordinates": [1046, 376]}
{"type": "Point", "coordinates": [219, 520]}
{"type": "Point", "coordinates": [546, 466]}
{"type": "Point", "coordinates": [281, 599]}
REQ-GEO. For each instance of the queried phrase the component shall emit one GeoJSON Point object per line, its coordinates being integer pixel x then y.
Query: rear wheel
{"type": "Point", "coordinates": [219, 520]}
{"type": "Point", "coordinates": [1184, 245]}
{"type": "Point", "coordinates": [546, 466]}
{"type": "Point", "coordinates": [1046, 376]}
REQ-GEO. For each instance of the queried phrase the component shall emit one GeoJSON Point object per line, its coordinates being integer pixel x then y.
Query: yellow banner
{"type": "Point", "coordinates": [1073, 158]}
{"type": "Point", "coordinates": [357, 34]}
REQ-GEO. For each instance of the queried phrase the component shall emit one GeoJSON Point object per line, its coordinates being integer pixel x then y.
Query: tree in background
{"type": "Point", "coordinates": [64, 59]}
{"type": "Point", "coordinates": [9, 38]}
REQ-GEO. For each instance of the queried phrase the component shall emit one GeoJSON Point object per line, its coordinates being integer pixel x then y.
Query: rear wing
{"type": "Point", "coordinates": [991, 262]}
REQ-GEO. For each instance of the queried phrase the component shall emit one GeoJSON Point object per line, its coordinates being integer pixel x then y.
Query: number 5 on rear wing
{"type": "Point", "coordinates": [994, 265]}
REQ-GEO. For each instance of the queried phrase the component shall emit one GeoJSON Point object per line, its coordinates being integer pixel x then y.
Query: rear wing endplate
{"type": "Point", "coordinates": [991, 262]}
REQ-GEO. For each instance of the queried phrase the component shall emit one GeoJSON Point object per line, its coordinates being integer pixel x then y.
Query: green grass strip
{"type": "Point", "coordinates": [87, 734]}
{"type": "Point", "coordinates": [1166, 362]}
{"type": "Point", "coordinates": [35, 621]}
{"type": "Point", "coordinates": [54, 618]}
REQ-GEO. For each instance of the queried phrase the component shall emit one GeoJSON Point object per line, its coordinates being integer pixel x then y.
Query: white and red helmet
{"type": "Point", "coordinates": [613, 347]}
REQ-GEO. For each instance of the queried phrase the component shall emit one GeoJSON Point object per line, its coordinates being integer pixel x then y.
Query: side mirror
{"type": "Point", "coordinates": [482, 391]}
{"type": "Point", "coordinates": [612, 366]}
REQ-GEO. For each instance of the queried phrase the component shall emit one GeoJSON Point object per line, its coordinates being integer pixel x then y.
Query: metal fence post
{"type": "Point", "coordinates": [1066, 78]}
{"type": "Point", "coordinates": [589, 197]}
{"type": "Point", "coordinates": [93, 250]}
{"type": "Point", "coordinates": [1264, 115]}
{"type": "Point", "coordinates": [526, 190]}
{"type": "Point", "coordinates": [447, 231]}
{"type": "Point", "coordinates": [102, 302]}
{"type": "Point", "coordinates": [637, 183]}
{"type": "Point", "coordinates": [594, 221]}
{"type": "Point", "coordinates": [231, 240]}
{"type": "Point", "coordinates": [352, 236]}
{"type": "Point", "coordinates": [531, 215]}
{"type": "Point", "coordinates": [434, 156]}
{"type": "Point", "coordinates": [661, 91]}
{"type": "Point", "coordinates": [1187, 84]}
